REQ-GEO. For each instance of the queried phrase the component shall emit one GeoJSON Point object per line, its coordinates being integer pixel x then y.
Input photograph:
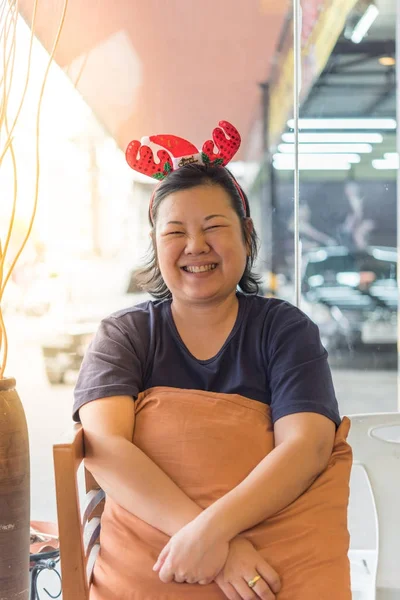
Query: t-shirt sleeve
{"type": "Point", "coordinates": [299, 375]}
{"type": "Point", "coordinates": [112, 365]}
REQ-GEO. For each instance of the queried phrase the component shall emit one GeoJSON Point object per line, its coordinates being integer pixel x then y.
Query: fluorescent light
{"type": "Point", "coordinates": [314, 162]}
{"type": "Point", "coordinates": [313, 167]}
{"type": "Point", "coordinates": [389, 162]}
{"type": "Point", "coordinates": [364, 24]}
{"type": "Point", "coordinates": [344, 124]}
{"type": "Point", "coordinates": [386, 165]}
{"type": "Point", "coordinates": [326, 148]}
{"type": "Point", "coordinates": [370, 138]}
{"type": "Point", "coordinates": [316, 158]}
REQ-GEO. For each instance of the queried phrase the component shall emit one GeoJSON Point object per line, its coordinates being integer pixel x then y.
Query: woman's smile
{"type": "Point", "coordinates": [203, 269]}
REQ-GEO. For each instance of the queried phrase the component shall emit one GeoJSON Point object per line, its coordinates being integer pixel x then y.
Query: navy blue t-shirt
{"type": "Point", "coordinates": [273, 354]}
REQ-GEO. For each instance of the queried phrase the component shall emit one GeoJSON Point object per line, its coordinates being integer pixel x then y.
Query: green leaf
{"type": "Point", "coordinates": [158, 176]}
{"type": "Point", "coordinates": [167, 167]}
{"type": "Point", "coordinates": [218, 161]}
{"type": "Point", "coordinates": [206, 159]}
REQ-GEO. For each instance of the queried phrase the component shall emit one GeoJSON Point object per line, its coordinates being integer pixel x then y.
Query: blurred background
{"type": "Point", "coordinates": [123, 70]}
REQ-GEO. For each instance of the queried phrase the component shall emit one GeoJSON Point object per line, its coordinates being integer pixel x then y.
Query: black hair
{"type": "Point", "coordinates": [185, 178]}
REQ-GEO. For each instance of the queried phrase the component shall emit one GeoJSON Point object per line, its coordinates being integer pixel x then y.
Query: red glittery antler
{"type": "Point", "coordinates": [227, 146]}
{"type": "Point", "coordinates": [145, 163]}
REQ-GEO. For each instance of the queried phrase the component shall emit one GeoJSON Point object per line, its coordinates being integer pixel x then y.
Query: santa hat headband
{"type": "Point", "coordinates": [174, 152]}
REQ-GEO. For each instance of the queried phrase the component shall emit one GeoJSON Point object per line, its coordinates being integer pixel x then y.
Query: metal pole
{"type": "Point", "coordinates": [296, 109]}
{"type": "Point", "coordinates": [269, 195]}
{"type": "Point", "coordinates": [265, 216]}
{"type": "Point", "coordinates": [398, 190]}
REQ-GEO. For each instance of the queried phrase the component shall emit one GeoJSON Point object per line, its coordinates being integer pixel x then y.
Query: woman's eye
{"type": "Point", "coordinates": [174, 233]}
{"type": "Point", "coordinates": [213, 227]}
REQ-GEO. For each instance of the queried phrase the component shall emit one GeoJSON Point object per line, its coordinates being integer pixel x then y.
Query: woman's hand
{"type": "Point", "coordinates": [192, 555]}
{"type": "Point", "coordinates": [242, 565]}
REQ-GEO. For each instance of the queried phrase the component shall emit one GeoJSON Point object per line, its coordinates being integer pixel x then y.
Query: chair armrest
{"type": "Point", "coordinates": [72, 440]}
{"type": "Point", "coordinates": [68, 454]}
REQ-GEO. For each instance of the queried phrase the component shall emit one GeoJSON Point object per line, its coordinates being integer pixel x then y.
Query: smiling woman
{"type": "Point", "coordinates": [198, 404]}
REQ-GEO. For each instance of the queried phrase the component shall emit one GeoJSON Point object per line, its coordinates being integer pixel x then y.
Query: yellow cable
{"type": "Point", "coordinates": [15, 194]}
{"type": "Point", "coordinates": [82, 68]}
{"type": "Point", "coordinates": [26, 80]}
{"type": "Point", "coordinates": [6, 62]}
{"type": "Point", "coordinates": [6, 38]}
{"type": "Point", "coordinates": [12, 50]}
{"type": "Point", "coordinates": [5, 67]}
{"type": "Point", "coordinates": [3, 332]}
{"type": "Point", "coordinates": [56, 41]}
{"type": "Point", "coordinates": [4, 345]}
{"type": "Point", "coordinates": [37, 148]}
{"type": "Point", "coordinates": [2, 7]}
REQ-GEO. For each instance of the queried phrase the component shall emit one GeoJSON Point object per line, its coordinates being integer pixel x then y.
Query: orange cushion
{"type": "Point", "coordinates": [207, 443]}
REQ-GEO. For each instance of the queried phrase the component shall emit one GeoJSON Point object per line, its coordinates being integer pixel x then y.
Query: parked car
{"type": "Point", "coordinates": [353, 297]}
{"type": "Point", "coordinates": [68, 331]}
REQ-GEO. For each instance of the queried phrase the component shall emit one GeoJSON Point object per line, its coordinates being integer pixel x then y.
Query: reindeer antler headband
{"type": "Point", "coordinates": [174, 152]}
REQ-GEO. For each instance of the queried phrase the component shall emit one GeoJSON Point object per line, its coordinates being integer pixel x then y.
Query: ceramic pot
{"type": "Point", "coordinates": [14, 495]}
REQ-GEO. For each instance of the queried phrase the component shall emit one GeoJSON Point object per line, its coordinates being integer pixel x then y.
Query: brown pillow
{"type": "Point", "coordinates": [207, 443]}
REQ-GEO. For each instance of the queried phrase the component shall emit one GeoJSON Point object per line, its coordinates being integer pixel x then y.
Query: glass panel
{"type": "Point", "coordinates": [348, 161]}
{"type": "Point", "coordinates": [347, 213]}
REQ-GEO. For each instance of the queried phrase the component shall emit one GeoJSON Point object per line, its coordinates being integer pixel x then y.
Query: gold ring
{"type": "Point", "coordinates": [253, 581]}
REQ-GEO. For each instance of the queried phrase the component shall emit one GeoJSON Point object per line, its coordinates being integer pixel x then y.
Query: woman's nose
{"type": "Point", "coordinates": [196, 244]}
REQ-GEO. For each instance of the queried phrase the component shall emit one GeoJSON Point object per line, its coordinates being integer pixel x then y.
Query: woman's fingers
{"type": "Point", "coordinates": [180, 579]}
{"type": "Point", "coordinates": [227, 589]}
{"type": "Point", "coordinates": [161, 558]}
{"type": "Point", "coordinates": [269, 575]}
{"type": "Point", "coordinates": [262, 590]}
{"type": "Point", "coordinates": [166, 573]}
{"type": "Point", "coordinates": [244, 591]}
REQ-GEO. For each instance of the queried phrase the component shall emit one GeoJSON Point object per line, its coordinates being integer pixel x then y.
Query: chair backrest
{"type": "Point", "coordinates": [374, 509]}
{"type": "Point", "coordinates": [79, 535]}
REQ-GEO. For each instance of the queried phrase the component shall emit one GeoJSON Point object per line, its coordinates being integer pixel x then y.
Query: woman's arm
{"type": "Point", "coordinates": [303, 446]}
{"type": "Point", "coordinates": [137, 484]}
{"type": "Point", "coordinates": [125, 473]}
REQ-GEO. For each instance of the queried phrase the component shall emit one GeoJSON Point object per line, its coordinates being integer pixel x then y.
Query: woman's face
{"type": "Point", "coordinates": [200, 247]}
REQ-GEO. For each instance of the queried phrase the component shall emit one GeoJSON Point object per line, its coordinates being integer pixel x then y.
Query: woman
{"type": "Point", "coordinates": [202, 334]}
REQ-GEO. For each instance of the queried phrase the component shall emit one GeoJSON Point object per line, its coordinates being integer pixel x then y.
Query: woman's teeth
{"type": "Point", "coordinates": [201, 269]}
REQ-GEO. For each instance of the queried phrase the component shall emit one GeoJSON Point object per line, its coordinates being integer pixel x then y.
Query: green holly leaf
{"type": "Point", "coordinates": [205, 157]}
{"type": "Point", "coordinates": [218, 161]}
{"type": "Point", "coordinates": [167, 168]}
{"type": "Point", "coordinates": [158, 176]}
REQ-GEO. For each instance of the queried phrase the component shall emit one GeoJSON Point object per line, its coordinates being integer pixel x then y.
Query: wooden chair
{"type": "Point", "coordinates": [79, 535]}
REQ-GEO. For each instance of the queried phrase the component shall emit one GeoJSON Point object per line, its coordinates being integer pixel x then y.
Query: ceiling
{"type": "Point", "coordinates": [355, 84]}
{"type": "Point", "coordinates": [161, 66]}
